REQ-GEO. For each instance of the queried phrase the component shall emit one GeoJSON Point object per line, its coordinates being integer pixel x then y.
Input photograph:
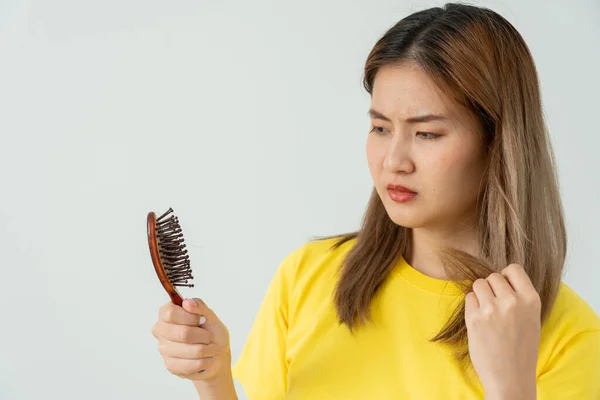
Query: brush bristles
{"type": "Point", "coordinates": [172, 251]}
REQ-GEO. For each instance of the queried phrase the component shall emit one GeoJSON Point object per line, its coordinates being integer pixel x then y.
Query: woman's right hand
{"type": "Point", "coordinates": [193, 342]}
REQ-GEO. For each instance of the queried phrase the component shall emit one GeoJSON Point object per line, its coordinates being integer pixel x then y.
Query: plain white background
{"type": "Point", "coordinates": [249, 119]}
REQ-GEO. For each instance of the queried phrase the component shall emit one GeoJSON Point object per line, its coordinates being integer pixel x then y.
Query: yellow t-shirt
{"type": "Point", "coordinates": [296, 350]}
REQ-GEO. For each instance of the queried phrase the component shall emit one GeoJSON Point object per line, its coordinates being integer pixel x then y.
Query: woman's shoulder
{"type": "Point", "coordinates": [570, 341]}
{"type": "Point", "coordinates": [570, 315]}
{"type": "Point", "coordinates": [327, 249]}
{"type": "Point", "coordinates": [572, 309]}
{"type": "Point", "coordinates": [315, 259]}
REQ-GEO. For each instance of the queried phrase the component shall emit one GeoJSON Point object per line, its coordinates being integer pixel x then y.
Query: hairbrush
{"type": "Point", "coordinates": [169, 255]}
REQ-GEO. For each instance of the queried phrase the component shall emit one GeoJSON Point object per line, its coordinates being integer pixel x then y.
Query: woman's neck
{"type": "Point", "coordinates": [424, 243]}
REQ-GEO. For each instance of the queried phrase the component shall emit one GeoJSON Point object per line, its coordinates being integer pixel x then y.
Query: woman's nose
{"type": "Point", "coordinates": [398, 158]}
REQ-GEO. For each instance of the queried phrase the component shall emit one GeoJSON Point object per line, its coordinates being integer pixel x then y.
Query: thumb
{"type": "Point", "coordinates": [208, 321]}
{"type": "Point", "coordinates": [198, 307]}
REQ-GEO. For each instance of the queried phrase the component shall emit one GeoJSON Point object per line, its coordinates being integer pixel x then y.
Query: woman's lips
{"type": "Point", "coordinates": [401, 196]}
{"type": "Point", "coordinates": [399, 188]}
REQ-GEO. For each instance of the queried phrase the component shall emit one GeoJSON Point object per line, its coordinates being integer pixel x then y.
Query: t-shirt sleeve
{"type": "Point", "coordinates": [262, 366]}
{"type": "Point", "coordinates": [574, 373]}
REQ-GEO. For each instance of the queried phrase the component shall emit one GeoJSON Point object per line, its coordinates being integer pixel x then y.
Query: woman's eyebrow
{"type": "Point", "coordinates": [421, 118]}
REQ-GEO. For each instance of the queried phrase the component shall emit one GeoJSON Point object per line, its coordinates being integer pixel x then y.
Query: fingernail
{"type": "Point", "coordinates": [202, 320]}
{"type": "Point", "coordinates": [191, 303]}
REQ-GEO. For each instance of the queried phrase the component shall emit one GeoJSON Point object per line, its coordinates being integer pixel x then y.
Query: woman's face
{"type": "Point", "coordinates": [442, 160]}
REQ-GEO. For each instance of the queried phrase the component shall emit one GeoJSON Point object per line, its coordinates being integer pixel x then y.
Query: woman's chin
{"type": "Point", "coordinates": [405, 214]}
{"type": "Point", "coordinates": [407, 220]}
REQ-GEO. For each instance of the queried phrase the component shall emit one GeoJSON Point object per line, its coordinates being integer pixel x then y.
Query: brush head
{"type": "Point", "coordinates": [169, 255]}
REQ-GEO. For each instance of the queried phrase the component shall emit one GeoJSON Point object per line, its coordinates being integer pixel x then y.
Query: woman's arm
{"type": "Point", "coordinates": [220, 390]}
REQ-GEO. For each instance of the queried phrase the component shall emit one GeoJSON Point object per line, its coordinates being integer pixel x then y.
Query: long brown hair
{"type": "Point", "coordinates": [480, 60]}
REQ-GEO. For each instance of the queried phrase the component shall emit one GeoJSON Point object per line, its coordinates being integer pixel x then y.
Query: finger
{"type": "Point", "coordinates": [185, 368]}
{"type": "Point", "coordinates": [183, 333]}
{"type": "Point", "coordinates": [174, 314]}
{"type": "Point", "coordinates": [187, 351]}
{"type": "Point", "coordinates": [500, 286]}
{"type": "Point", "coordinates": [198, 307]}
{"type": "Point", "coordinates": [471, 303]}
{"type": "Point", "coordinates": [484, 293]}
{"type": "Point", "coordinates": [517, 277]}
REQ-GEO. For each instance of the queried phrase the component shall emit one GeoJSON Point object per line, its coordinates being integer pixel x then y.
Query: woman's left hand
{"type": "Point", "coordinates": [503, 321]}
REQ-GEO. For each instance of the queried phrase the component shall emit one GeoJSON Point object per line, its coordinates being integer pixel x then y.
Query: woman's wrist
{"type": "Point", "coordinates": [512, 392]}
{"type": "Point", "coordinates": [219, 386]}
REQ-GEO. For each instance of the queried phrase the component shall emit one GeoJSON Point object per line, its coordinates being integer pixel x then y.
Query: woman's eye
{"type": "Point", "coordinates": [425, 135]}
{"type": "Point", "coordinates": [377, 130]}
{"type": "Point", "coordinates": [428, 135]}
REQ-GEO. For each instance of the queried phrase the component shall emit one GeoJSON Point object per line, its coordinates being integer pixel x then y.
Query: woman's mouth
{"type": "Point", "coordinates": [400, 196]}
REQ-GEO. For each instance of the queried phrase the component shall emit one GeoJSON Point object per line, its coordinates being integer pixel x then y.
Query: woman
{"type": "Point", "coordinates": [451, 289]}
